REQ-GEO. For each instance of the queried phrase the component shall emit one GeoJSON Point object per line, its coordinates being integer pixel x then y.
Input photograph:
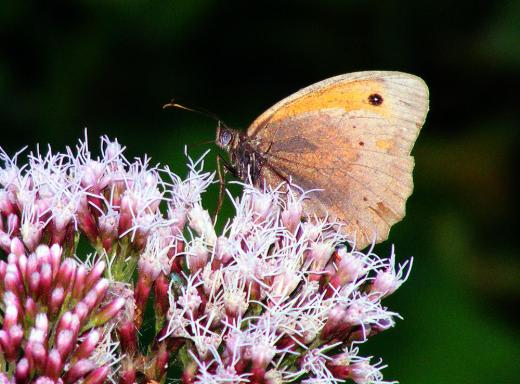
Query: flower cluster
{"type": "Point", "coordinates": [275, 297]}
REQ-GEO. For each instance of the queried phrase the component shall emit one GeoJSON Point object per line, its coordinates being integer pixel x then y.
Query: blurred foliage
{"type": "Point", "coordinates": [109, 65]}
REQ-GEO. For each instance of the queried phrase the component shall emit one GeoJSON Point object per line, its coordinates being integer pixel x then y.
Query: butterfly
{"type": "Point", "coordinates": [349, 138]}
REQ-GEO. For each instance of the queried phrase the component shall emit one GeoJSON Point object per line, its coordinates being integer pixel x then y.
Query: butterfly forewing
{"type": "Point", "coordinates": [349, 136]}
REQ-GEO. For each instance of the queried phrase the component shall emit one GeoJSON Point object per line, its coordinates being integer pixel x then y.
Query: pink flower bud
{"type": "Point", "coordinates": [161, 287]}
{"type": "Point", "coordinates": [387, 281]}
{"type": "Point", "coordinates": [108, 224]}
{"type": "Point", "coordinates": [64, 343]}
{"type": "Point", "coordinates": [88, 345]}
{"type": "Point", "coordinates": [235, 303]}
{"type": "Point", "coordinates": [42, 323]}
{"type": "Point", "coordinates": [31, 234]}
{"type": "Point", "coordinates": [37, 355]}
{"type": "Point", "coordinates": [350, 267]}
{"type": "Point", "coordinates": [127, 332]}
{"type": "Point", "coordinates": [36, 336]}
{"type": "Point", "coordinates": [16, 336]}
{"type": "Point", "coordinates": [3, 270]}
{"type": "Point", "coordinates": [75, 325]}
{"type": "Point", "coordinates": [13, 223]}
{"type": "Point", "coordinates": [17, 247]}
{"type": "Point", "coordinates": [261, 204]}
{"type": "Point", "coordinates": [127, 210]}
{"type": "Point", "coordinates": [82, 311]}
{"type": "Point", "coordinates": [335, 326]}
{"type": "Point", "coordinates": [92, 174]}
{"type": "Point", "coordinates": [94, 275]}
{"type": "Point", "coordinates": [54, 364]}
{"type": "Point", "coordinates": [361, 372]}
{"type": "Point", "coordinates": [10, 317]}
{"type": "Point", "coordinates": [284, 283]}
{"type": "Point", "coordinates": [55, 259]}
{"type": "Point", "coordinates": [12, 259]}
{"type": "Point", "coordinates": [64, 322]}
{"type": "Point", "coordinates": [339, 366]}
{"type": "Point", "coordinates": [141, 294]}
{"type": "Point", "coordinates": [112, 150]}
{"type": "Point", "coordinates": [45, 280]}
{"type": "Point", "coordinates": [311, 231]}
{"type": "Point", "coordinates": [47, 380]}
{"type": "Point", "coordinates": [22, 371]}
{"type": "Point", "coordinates": [13, 283]}
{"type": "Point", "coordinates": [67, 273]}
{"type": "Point", "coordinates": [32, 265]}
{"type": "Point", "coordinates": [200, 222]}
{"type": "Point", "coordinates": [5, 241]}
{"type": "Point", "coordinates": [56, 300]}
{"type": "Point", "coordinates": [43, 254]}
{"type": "Point", "coordinates": [291, 216]}
{"type": "Point", "coordinates": [86, 221]}
{"type": "Point", "coordinates": [318, 256]}
{"type": "Point", "coordinates": [107, 312]}
{"type": "Point", "coordinates": [30, 308]}
{"type": "Point", "coordinates": [34, 284]}
{"type": "Point", "coordinates": [223, 251]}
{"type": "Point", "coordinates": [79, 284]}
{"type": "Point", "coordinates": [197, 256]}
{"type": "Point", "coordinates": [100, 289]}
{"type": "Point", "coordinates": [178, 217]}
{"type": "Point", "coordinates": [6, 206]}
{"type": "Point", "coordinates": [262, 354]}
{"type": "Point", "coordinates": [90, 300]}
{"type": "Point", "coordinates": [6, 346]}
{"type": "Point", "coordinates": [78, 370]}
{"type": "Point", "coordinates": [12, 299]}
{"type": "Point", "coordinates": [97, 376]}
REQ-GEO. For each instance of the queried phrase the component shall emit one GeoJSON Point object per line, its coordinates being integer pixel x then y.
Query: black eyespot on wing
{"type": "Point", "coordinates": [375, 99]}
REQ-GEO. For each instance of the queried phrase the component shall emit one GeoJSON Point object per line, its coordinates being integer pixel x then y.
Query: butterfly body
{"type": "Point", "coordinates": [245, 156]}
{"type": "Point", "coordinates": [348, 137]}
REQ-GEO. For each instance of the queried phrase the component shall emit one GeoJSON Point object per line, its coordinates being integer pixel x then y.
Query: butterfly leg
{"type": "Point", "coordinates": [223, 167]}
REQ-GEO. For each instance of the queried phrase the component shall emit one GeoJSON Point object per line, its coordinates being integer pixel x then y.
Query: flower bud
{"type": "Point", "coordinates": [97, 376]}
{"type": "Point", "coordinates": [78, 370]}
{"type": "Point", "coordinates": [107, 312]}
{"type": "Point", "coordinates": [22, 371]}
{"type": "Point", "coordinates": [17, 247]}
{"type": "Point", "coordinates": [79, 283]}
{"type": "Point", "coordinates": [88, 345]}
{"type": "Point", "coordinates": [54, 364]}
{"type": "Point", "coordinates": [65, 343]}
{"type": "Point", "coordinates": [200, 222]}
{"type": "Point", "coordinates": [95, 273]}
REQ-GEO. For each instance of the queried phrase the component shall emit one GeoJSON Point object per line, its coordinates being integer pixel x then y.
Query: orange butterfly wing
{"type": "Point", "coordinates": [349, 136]}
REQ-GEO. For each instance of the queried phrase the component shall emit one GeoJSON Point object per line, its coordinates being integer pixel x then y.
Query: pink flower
{"type": "Point", "coordinates": [273, 297]}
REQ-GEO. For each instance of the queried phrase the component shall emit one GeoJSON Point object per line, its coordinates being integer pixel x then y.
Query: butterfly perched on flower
{"type": "Point", "coordinates": [348, 138]}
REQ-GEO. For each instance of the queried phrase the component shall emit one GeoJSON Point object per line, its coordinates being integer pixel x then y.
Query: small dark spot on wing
{"type": "Point", "coordinates": [375, 99]}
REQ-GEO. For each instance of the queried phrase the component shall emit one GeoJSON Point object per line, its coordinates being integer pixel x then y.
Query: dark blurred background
{"type": "Point", "coordinates": [109, 65]}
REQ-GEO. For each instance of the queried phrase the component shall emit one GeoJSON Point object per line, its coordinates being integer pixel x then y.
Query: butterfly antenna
{"type": "Point", "coordinates": [202, 143]}
{"type": "Point", "coordinates": [201, 111]}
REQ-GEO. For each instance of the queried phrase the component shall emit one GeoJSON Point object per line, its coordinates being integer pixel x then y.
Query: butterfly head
{"type": "Point", "coordinates": [226, 137]}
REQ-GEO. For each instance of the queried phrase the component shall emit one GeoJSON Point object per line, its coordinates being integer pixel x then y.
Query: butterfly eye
{"type": "Point", "coordinates": [225, 137]}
